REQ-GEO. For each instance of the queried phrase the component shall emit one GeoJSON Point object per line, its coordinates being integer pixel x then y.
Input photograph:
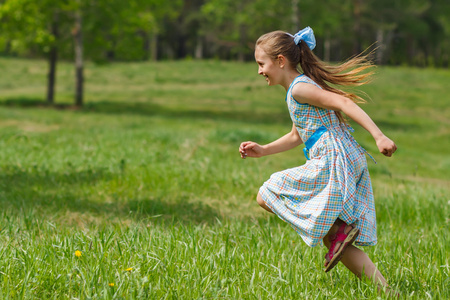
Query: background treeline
{"type": "Point", "coordinates": [413, 32]}
{"type": "Point", "coordinates": [405, 32]}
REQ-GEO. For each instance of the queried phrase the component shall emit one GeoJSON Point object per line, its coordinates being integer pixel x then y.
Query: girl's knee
{"type": "Point", "coordinates": [263, 204]}
{"type": "Point", "coordinates": [260, 200]}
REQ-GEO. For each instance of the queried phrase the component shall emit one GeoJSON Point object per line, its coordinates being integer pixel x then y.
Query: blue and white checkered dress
{"type": "Point", "coordinates": [333, 183]}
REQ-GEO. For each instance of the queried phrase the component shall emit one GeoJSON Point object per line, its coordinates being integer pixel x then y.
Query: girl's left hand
{"type": "Point", "coordinates": [250, 149]}
{"type": "Point", "coordinates": [386, 146]}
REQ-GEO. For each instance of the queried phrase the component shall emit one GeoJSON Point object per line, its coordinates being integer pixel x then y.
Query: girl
{"type": "Point", "coordinates": [330, 197]}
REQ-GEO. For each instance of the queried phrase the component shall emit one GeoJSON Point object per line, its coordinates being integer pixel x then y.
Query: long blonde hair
{"type": "Point", "coordinates": [350, 73]}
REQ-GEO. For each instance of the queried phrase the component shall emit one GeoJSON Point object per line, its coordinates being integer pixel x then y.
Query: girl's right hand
{"type": "Point", "coordinates": [250, 149]}
{"type": "Point", "coordinates": [386, 146]}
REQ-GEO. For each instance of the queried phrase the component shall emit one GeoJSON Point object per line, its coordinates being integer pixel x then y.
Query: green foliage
{"type": "Point", "coordinates": [108, 26]}
{"type": "Point", "coordinates": [119, 30]}
{"type": "Point", "coordinates": [146, 182]}
{"type": "Point", "coordinates": [413, 32]}
{"type": "Point", "coordinates": [25, 24]}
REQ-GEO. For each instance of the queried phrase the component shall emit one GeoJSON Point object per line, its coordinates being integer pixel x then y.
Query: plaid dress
{"type": "Point", "coordinates": [333, 183]}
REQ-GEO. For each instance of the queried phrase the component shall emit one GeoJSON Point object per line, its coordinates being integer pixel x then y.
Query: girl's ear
{"type": "Point", "coordinates": [281, 61]}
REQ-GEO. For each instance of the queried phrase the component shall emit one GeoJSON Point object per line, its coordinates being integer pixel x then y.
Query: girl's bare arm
{"type": "Point", "coordinates": [308, 93]}
{"type": "Point", "coordinates": [286, 142]}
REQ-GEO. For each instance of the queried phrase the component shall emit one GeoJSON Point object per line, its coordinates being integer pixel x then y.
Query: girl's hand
{"type": "Point", "coordinates": [386, 146]}
{"type": "Point", "coordinates": [250, 149]}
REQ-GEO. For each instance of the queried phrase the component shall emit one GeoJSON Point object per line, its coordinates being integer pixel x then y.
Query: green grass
{"type": "Point", "coordinates": [147, 176]}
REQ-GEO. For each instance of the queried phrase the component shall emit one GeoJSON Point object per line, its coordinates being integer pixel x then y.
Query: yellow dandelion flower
{"type": "Point", "coordinates": [129, 269]}
{"type": "Point", "coordinates": [111, 284]}
{"type": "Point", "coordinates": [78, 253]}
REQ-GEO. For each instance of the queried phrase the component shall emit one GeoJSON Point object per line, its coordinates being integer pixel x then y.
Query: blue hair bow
{"type": "Point", "coordinates": [306, 35]}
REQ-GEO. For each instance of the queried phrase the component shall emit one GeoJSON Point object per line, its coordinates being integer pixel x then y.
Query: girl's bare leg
{"type": "Point", "coordinates": [356, 260]}
{"type": "Point", "coordinates": [353, 258]}
{"type": "Point", "coordinates": [262, 203]}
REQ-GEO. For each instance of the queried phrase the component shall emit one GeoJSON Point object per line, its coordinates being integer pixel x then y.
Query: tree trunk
{"type": "Point", "coordinates": [381, 46]}
{"type": "Point", "coordinates": [145, 44]}
{"type": "Point", "coordinates": [199, 48]}
{"type": "Point", "coordinates": [154, 46]}
{"type": "Point", "coordinates": [357, 26]}
{"type": "Point", "coordinates": [181, 50]}
{"type": "Point", "coordinates": [410, 50]}
{"type": "Point", "coordinates": [8, 47]}
{"type": "Point", "coordinates": [294, 16]}
{"type": "Point", "coordinates": [52, 59]}
{"type": "Point", "coordinates": [242, 42]}
{"type": "Point", "coordinates": [327, 47]}
{"type": "Point", "coordinates": [242, 29]}
{"type": "Point", "coordinates": [78, 59]}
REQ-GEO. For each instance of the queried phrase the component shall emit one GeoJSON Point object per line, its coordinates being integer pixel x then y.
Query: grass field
{"type": "Point", "coordinates": [142, 194]}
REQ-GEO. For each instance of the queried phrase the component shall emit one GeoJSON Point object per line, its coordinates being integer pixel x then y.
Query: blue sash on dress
{"type": "Point", "coordinates": [313, 139]}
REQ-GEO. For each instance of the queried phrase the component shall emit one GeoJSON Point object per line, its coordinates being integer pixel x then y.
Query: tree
{"type": "Point", "coordinates": [27, 24]}
{"type": "Point", "coordinates": [408, 31]}
{"type": "Point", "coordinates": [126, 30]}
{"type": "Point", "coordinates": [233, 26]}
{"type": "Point", "coordinates": [79, 63]}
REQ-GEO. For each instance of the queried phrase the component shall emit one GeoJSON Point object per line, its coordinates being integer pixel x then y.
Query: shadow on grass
{"type": "Point", "coordinates": [25, 102]}
{"type": "Point", "coordinates": [398, 126]}
{"type": "Point", "coordinates": [56, 194]}
{"type": "Point", "coordinates": [151, 109]}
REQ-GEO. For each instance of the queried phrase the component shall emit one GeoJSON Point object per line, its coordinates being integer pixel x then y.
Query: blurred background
{"type": "Point", "coordinates": [405, 32]}
{"type": "Point", "coordinates": [413, 32]}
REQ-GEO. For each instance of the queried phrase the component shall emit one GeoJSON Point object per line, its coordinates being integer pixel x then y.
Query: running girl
{"type": "Point", "coordinates": [329, 198]}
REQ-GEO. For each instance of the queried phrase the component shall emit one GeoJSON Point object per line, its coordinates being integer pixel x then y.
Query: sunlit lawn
{"type": "Point", "coordinates": [146, 182]}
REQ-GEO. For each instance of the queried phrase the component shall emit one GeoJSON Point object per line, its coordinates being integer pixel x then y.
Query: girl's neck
{"type": "Point", "coordinates": [286, 82]}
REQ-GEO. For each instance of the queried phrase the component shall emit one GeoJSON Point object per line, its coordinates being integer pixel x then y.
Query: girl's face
{"type": "Point", "coordinates": [268, 67]}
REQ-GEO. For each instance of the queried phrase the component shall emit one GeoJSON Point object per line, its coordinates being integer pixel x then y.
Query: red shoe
{"type": "Point", "coordinates": [341, 241]}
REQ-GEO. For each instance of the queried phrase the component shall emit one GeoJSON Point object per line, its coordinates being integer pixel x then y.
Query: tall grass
{"type": "Point", "coordinates": [146, 182]}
